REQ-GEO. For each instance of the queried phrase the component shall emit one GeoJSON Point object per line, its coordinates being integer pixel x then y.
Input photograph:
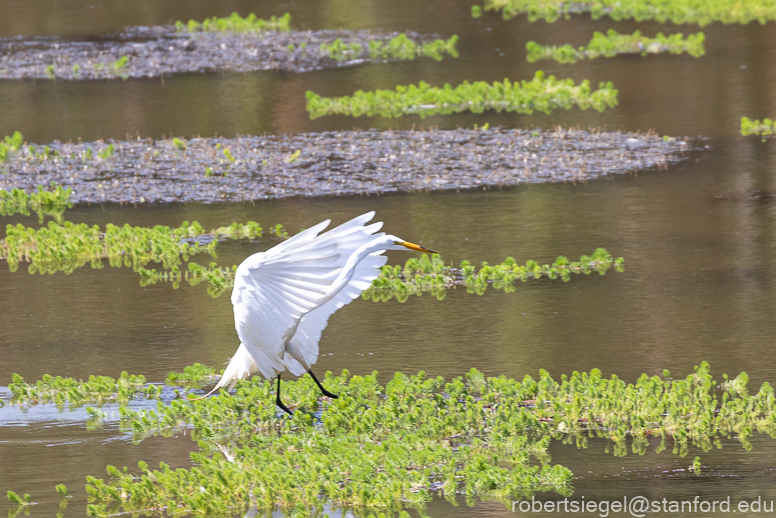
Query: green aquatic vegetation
{"type": "Point", "coordinates": [542, 93]}
{"type": "Point", "coordinates": [398, 47]}
{"type": "Point", "coordinates": [120, 64]}
{"type": "Point", "coordinates": [612, 44]}
{"type": "Point", "coordinates": [19, 500]}
{"type": "Point", "coordinates": [341, 51]}
{"type": "Point", "coordinates": [179, 144]}
{"type": "Point", "coordinates": [293, 156]}
{"type": "Point", "coordinates": [417, 276]}
{"type": "Point", "coordinates": [107, 151]}
{"type": "Point", "coordinates": [383, 448]}
{"type": "Point", "coordinates": [676, 11]}
{"type": "Point", "coordinates": [755, 127]}
{"type": "Point", "coordinates": [97, 389]}
{"type": "Point", "coordinates": [44, 203]}
{"type": "Point", "coordinates": [431, 275]}
{"type": "Point", "coordinates": [69, 246]}
{"type": "Point", "coordinates": [379, 449]}
{"type": "Point", "coordinates": [236, 23]}
{"type": "Point", "coordinates": [10, 144]}
{"type": "Point", "coordinates": [101, 389]}
{"type": "Point", "coordinates": [193, 376]}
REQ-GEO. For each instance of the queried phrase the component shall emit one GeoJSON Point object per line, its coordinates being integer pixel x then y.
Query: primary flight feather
{"type": "Point", "coordinates": [283, 297]}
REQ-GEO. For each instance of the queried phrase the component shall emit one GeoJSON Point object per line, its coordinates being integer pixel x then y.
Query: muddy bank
{"type": "Point", "coordinates": [156, 51]}
{"type": "Point", "coordinates": [247, 168]}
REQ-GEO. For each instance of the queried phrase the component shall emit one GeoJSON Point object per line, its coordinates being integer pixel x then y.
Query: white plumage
{"type": "Point", "coordinates": [283, 297]}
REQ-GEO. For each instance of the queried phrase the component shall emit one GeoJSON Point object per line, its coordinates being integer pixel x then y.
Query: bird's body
{"type": "Point", "coordinates": [283, 297]}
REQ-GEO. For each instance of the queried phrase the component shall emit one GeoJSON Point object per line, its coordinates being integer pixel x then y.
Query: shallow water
{"type": "Point", "coordinates": [697, 240]}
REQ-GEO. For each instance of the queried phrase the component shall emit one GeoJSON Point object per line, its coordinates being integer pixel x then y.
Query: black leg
{"type": "Point", "coordinates": [325, 392]}
{"type": "Point", "coordinates": [278, 402]}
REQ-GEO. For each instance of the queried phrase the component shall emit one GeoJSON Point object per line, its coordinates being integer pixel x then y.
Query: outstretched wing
{"type": "Point", "coordinates": [308, 333]}
{"type": "Point", "coordinates": [273, 290]}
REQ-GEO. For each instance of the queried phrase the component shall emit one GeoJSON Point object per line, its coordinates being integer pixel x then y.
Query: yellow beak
{"type": "Point", "coordinates": [417, 248]}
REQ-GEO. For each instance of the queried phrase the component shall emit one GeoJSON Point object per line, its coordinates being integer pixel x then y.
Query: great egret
{"type": "Point", "coordinates": [283, 297]}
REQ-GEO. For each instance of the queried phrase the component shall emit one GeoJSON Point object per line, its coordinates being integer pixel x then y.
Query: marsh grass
{"type": "Point", "coordinates": [542, 94]}
{"type": "Point", "coordinates": [611, 44]}
{"type": "Point", "coordinates": [385, 448]}
{"type": "Point", "coordinates": [702, 12]}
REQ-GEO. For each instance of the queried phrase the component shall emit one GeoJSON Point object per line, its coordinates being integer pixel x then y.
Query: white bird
{"type": "Point", "coordinates": [283, 297]}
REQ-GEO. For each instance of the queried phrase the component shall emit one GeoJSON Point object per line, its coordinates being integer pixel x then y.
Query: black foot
{"type": "Point", "coordinates": [279, 403]}
{"type": "Point", "coordinates": [325, 392]}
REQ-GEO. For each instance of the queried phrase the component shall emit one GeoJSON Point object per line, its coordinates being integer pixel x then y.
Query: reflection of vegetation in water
{"type": "Point", "coordinates": [417, 276]}
{"type": "Point", "coordinates": [44, 203]}
{"type": "Point", "coordinates": [421, 275]}
{"type": "Point", "coordinates": [70, 246]}
{"type": "Point", "coordinates": [388, 447]}
{"type": "Point", "coordinates": [542, 93]}
{"type": "Point", "coordinates": [676, 11]}
{"type": "Point", "coordinates": [236, 23]}
{"type": "Point", "coordinates": [97, 389]}
{"type": "Point", "coordinates": [101, 389]}
{"type": "Point", "coordinates": [399, 47]}
{"type": "Point", "coordinates": [755, 127]}
{"type": "Point", "coordinates": [612, 43]}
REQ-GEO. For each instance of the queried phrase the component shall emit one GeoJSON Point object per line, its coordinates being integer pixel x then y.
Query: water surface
{"type": "Point", "coordinates": [697, 239]}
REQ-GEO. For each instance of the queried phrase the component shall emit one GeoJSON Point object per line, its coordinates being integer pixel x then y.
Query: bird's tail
{"type": "Point", "coordinates": [240, 366]}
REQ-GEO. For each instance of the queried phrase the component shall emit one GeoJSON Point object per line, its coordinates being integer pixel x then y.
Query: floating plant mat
{"type": "Point", "coordinates": [611, 44]}
{"type": "Point", "coordinates": [385, 448]}
{"type": "Point", "coordinates": [701, 12]}
{"type": "Point", "coordinates": [156, 51]}
{"type": "Point", "coordinates": [754, 127]}
{"type": "Point", "coordinates": [249, 168]}
{"type": "Point", "coordinates": [66, 247]}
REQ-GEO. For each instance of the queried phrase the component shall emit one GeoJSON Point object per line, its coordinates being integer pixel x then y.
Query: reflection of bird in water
{"type": "Point", "coordinates": [283, 297]}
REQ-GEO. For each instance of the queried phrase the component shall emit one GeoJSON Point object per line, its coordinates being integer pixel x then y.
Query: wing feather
{"type": "Point", "coordinates": [278, 292]}
{"type": "Point", "coordinates": [308, 333]}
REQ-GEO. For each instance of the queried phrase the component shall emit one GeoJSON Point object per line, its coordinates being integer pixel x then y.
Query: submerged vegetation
{"type": "Point", "coordinates": [675, 11]}
{"type": "Point", "coordinates": [542, 94]}
{"type": "Point", "coordinates": [755, 127]}
{"type": "Point", "coordinates": [44, 203]}
{"type": "Point", "coordinates": [385, 448]}
{"type": "Point", "coordinates": [611, 44]}
{"type": "Point", "coordinates": [237, 23]}
{"type": "Point", "coordinates": [399, 47]}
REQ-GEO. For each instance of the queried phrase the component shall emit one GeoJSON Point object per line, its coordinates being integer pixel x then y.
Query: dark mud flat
{"type": "Point", "coordinates": [157, 51]}
{"type": "Point", "coordinates": [247, 168]}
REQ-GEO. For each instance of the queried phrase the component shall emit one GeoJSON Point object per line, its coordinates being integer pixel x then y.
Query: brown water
{"type": "Point", "coordinates": [699, 248]}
